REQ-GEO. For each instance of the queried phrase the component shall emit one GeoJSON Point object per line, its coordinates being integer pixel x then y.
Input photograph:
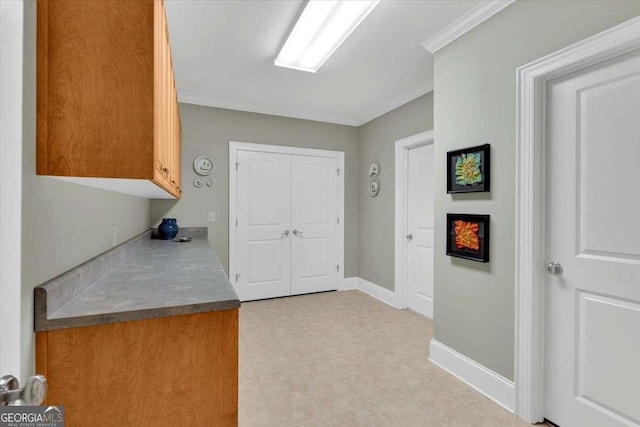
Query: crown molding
{"type": "Point", "coordinates": [414, 93]}
{"type": "Point", "coordinates": [207, 102]}
{"type": "Point", "coordinates": [421, 89]}
{"type": "Point", "coordinates": [475, 16]}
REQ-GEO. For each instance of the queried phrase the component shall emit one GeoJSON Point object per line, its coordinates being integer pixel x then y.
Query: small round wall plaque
{"type": "Point", "coordinates": [374, 187]}
{"type": "Point", "coordinates": [203, 165]}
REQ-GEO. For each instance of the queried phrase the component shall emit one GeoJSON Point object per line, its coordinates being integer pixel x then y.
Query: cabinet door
{"type": "Point", "coordinates": [166, 104]}
{"type": "Point", "coordinates": [95, 89]}
{"type": "Point", "coordinates": [179, 150]}
{"type": "Point", "coordinates": [167, 157]}
{"type": "Point", "coordinates": [158, 55]}
{"type": "Point", "coordinates": [177, 147]}
{"type": "Point", "coordinates": [161, 97]}
{"type": "Point", "coordinates": [172, 148]}
{"type": "Point", "coordinates": [206, 365]}
{"type": "Point", "coordinates": [170, 103]}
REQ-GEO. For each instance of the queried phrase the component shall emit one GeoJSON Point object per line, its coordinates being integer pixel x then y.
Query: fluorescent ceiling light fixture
{"type": "Point", "coordinates": [320, 30]}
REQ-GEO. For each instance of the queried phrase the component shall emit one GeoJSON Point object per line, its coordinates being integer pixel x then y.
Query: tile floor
{"type": "Point", "coordinates": [346, 359]}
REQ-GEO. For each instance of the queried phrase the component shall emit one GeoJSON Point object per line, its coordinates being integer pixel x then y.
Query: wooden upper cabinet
{"type": "Point", "coordinates": [107, 105]}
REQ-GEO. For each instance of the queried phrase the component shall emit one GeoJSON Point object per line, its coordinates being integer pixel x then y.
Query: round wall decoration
{"type": "Point", "coordinates": [203, 165]}
{"type": "Point", "coordinates": [374, 187]}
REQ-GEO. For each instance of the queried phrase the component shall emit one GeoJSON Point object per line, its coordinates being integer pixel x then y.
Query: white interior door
{"type": "Point", "coordinates": [264, 213]}
{"type": "Point", "coordinates": [314, 224]}
{"type": "Point", "coordinates": [592, 324]}
{"type": "Point", "coordinates": [420, 230]}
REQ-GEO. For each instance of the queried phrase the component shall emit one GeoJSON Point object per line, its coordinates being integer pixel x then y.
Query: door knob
{"type": "Point", "coordinates": [554, 268]}
{"type": "Point", "coordinates": [284, 234]}
{"type": "Point", "coordinates": [409, 237]}
{"type": "Point", "coordinates": [297, 233]}
{"type": "Point", "coordinates": [33, 392]}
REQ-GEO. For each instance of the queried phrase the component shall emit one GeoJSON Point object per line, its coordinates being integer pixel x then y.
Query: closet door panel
{"type": "Point", "coordinates": [264, 216]}
{"type": "Point", "coordinates": [314, 224]}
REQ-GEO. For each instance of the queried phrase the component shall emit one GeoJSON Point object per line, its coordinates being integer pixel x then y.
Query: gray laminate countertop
{"type": "Point", "coordinates": [141, 279]}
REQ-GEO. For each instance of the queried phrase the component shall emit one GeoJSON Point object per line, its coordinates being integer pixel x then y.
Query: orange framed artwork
{"type": "Point", "coordinates": [468, 236]}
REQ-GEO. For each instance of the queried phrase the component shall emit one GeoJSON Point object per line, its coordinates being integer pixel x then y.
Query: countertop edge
{"type": "Point", "coordinates": [63, 288]}
{"type": "Point", "coordinates": [45, 325]}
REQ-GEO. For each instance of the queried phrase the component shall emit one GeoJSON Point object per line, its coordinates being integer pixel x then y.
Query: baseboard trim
{"type": "Point", "coordinates": [428, 312]}
{"type": "Point", "coordinates": [492, 385]}
{"type": "Point", "coordinates": [350, 283]}
{"type": "Point", "coordinates": [376, 291]}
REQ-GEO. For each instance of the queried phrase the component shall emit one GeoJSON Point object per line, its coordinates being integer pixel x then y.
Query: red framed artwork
{"type": "Point", "coordinates": [468, 236]}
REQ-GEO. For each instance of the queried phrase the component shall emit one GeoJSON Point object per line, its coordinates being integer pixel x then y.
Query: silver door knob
{"type": "Point", "coordinates": [409, 237]}
{"type": "Point", "coordinates": [554, 268]}
{"type": "Point", "coordinates": [33, 392]}
{"type": "Point", "coordinates": [297, 233]}
{"type": "Point", "coordinates": [284, 234]}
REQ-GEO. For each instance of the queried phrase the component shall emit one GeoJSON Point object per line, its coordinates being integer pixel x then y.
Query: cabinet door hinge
{"type": "Point", "coordinates": [236, 222]}
{"type": "Point", "coordinates": [237, 276]}
{"type": "Point", "coordinates": [237, 164]}
{"type": "Point", "coordinates": [338, 171]}
{"type": "Point", "coordinates": [338, 268]}
{"type": "Point", "coordinates": [338, 221]}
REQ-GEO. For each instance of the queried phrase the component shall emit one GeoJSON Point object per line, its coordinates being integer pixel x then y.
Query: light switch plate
{"type": "Point", "coordinates": [211, 216]}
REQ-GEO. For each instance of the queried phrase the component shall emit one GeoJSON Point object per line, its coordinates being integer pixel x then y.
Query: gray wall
{"type": "Point", "coordinates": [63, 224]}
{"type": "Point", "coordinates": [377, 223]}
{"type": "Point", "coordinates": [208, 130]}
{"type": "Point", "coordinates": [475, 103]}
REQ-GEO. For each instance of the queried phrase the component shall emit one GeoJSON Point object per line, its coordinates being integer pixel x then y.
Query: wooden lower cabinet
{"type": "Point", "coordinates": [170, 371]}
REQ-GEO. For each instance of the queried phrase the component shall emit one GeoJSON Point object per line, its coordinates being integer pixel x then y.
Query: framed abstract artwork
{"type": "Point", "coordinates": [468, 236]}
{"type": "Point", "coordinates": [469, 169]}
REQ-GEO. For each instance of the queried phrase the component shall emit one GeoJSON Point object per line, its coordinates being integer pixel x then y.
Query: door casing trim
{"type": "Point", "coordinates": [531, 84]}
{"type": "Point", "coordinates": [234, 147]}
{"type": "Point", "coordinates": [11, 84]}
{"type": "Point", "coordinates": [402, 148]}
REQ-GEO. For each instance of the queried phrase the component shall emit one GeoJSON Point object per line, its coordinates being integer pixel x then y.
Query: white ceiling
{"type": "Point", "coordinates": [223, 53]}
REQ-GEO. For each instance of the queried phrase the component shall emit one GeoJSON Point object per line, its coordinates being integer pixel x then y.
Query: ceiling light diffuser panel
{"type": "Point", "coordinates": [320, 30]}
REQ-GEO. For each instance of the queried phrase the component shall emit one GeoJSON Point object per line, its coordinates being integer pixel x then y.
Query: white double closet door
{"type": "Point", "coordinates": [287, 225]}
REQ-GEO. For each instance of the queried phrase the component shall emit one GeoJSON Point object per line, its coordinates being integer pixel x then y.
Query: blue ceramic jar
{"type": "Point", "coordinates": [168, 228]}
